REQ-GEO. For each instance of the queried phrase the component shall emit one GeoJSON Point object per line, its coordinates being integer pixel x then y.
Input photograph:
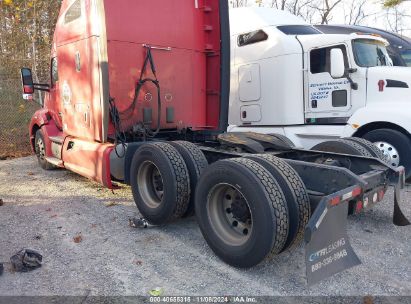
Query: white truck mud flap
{"type": "Point", "coordinates": [328, 250]}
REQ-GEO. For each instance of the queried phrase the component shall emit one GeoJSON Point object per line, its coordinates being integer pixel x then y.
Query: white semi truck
{"type": "Point", "coordinates": [289, 78]}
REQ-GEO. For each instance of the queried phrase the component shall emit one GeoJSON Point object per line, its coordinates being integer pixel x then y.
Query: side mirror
{"type": "Point", "coordinates": [337, 63]}
{"type": "Point", "coordinates": [28, 84]}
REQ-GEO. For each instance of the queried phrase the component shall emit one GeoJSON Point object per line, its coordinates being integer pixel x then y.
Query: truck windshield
{"type": "Point", "coordinates": [370, 53]}
{"type": "Point", "coordinates": [406, 55]}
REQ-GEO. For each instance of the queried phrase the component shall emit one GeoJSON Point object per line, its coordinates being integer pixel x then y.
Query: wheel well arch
{"type": "Point", "coordinates": [379, 125]}
{"type": "Point", "coordinates": [33, 132]}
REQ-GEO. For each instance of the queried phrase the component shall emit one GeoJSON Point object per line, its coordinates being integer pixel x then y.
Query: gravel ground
{"type": "Point", "coordinates": [45, 211]}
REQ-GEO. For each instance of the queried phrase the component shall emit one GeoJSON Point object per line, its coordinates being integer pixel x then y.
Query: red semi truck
{"type": "Point", "coordinates": [139, 94]}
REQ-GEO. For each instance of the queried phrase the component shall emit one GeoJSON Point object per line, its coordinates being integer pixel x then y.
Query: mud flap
{"type": "Point", "coordinates": [399, 218]}
{"type": "Point", "coordinates": [328, 249]}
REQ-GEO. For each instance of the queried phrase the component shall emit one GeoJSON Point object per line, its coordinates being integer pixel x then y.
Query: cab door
{"type": "Point", "coordinates": [79, 72]}
{"type": "Point", "coordinates": [328, 97]}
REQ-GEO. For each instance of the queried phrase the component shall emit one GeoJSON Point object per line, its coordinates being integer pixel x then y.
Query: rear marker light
{"type": "Point", "coordinates": [335, 201]}
{"type": "Point", "coordinates": [338, 199]}
{"type": "Point", "coordinates": [356, 191]}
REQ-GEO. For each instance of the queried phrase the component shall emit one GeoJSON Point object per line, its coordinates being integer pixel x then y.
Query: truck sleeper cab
{"type": "Point", "coordinates": [148, 106]}
{"type": "Point", "coordinates": [286, 83]}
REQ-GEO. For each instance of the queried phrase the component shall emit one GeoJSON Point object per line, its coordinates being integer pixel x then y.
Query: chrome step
{"type": "Point", "coordinates": [55, 161]}
{"type": "Point", "coordinates": [57, 139]}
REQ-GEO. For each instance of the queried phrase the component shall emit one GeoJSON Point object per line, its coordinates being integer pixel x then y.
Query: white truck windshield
{"type": "Point", "coordinates": [406, 55]}
{"type": "Point", "coordinates": [370, 53]}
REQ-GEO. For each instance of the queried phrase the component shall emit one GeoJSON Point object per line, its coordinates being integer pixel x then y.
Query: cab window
{"type": "Point", "coordinates": [370, 53]}
{"type": "Point", "coordinates": [252, 38]}
{"type": "Point", "coordinates": [54, 71]}
{"type": "Point", "coordinates": [320, 59]}
{"type": "Point", "coordinates": [406, 55]}
{"type": "Point", "coordinates": [73, 13]}
{"type": "Point", "coordinates": [298, 30]}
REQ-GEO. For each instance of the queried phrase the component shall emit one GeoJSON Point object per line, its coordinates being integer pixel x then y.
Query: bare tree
{"type": "Point", "coordinates": [309, 10]}
{"type": "Point", "coordinates": [26, 31]}
{"type": "Point", "coordinates": [397, 19]}
{"type": "Point", "coordinates": [325, 8]}
{"type": "Point", "coordinates": [296, 7]}
{"type": "Point", "coordinates": [301, 8]}
{"type": "Point", "coordinates": [357, 12]}
{"type": "Point", "coordinates": [238, 3]}
{"type": "Point", "coordinates": [279, 4]}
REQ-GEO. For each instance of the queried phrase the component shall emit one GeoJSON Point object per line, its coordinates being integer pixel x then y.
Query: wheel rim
{"type": "Point", "coordinates": [229, 214]}
{"type": "Point", "coordinates": [40, 149]}
{"type": "Point", "coordinates": [390, 152]}
{"type": "Point", "coordinates": [150, 184]}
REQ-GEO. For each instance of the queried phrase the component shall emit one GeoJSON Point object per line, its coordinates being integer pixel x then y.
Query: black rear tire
{"type": "Point", "coordinates": [41, 151]}
{"type": "Point", "coordinates": [398, 140]}
{"type": "Point", "coordinates": [268, 213]}
{"type": "Point", "coordinates": [343, 146]}
{"type": "Point", "coordinates": [375, 152]}
{"type": "Point", "coordinates": [160, 183]}
{"type": "Point", "coordinates": [295, 193]}
{"type": "Point", "coordinates": [196, 163]}
{"type": "Point", "coordinates": [284, 139]}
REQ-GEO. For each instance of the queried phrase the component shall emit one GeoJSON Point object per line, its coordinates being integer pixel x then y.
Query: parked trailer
{"type": "Point", "coordinates": [289, 78]}
{"type": "Point", "coordinates": [139, 94]}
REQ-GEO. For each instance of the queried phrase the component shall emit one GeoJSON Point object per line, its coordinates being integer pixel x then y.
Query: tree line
{"type": "Point", "coordinates": [26, 26]}
{"type": "Point", "coordinates": [354, 11]}
{"type": "Point", "coordinates": [26, 34]}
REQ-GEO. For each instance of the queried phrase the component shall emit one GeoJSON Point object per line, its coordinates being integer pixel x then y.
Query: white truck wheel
{"type": "Point", "coordinates": [395, 145]}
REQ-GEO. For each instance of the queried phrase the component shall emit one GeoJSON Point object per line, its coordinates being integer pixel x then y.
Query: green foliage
{"type": "Point", "coordinates": [392, 3]}
{"type": "Point", "coordinates": [26, 34]}
{"type": "Point", "coordinates": [15, 114]}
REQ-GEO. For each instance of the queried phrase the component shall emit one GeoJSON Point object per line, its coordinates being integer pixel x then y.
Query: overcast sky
{"type": "Point", "coordinates": [378, 15]}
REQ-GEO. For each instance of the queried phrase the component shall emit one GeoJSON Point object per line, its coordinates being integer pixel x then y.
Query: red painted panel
{"type": "Point", "coordinates": [80, 90]}
{"type": "Point", "coordinates": [186, 72]}
{"type": "Point", "coordinates": [213, 37]}
{"type": "Point", "coordinates": [189, 73]}
{"type": "Point", "coordinates": [42, 119]}
{"type": "Point", "coordinates": [77, 95]}
{"type": "Point", "coordinates": [174, 23]}
{"type": "Point", "coordinates": [89, 159]}
{"type": "Point", "coordinates": [182, 85]}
